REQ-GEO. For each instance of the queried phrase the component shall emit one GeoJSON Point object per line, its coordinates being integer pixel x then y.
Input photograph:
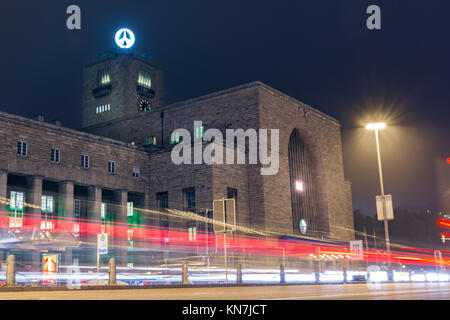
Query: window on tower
{"type": "Point", "coordinates": [103, 78]}
{"type": "Point", "coordinates": [144, 79]}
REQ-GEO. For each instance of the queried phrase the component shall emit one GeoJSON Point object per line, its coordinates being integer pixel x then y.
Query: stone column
{"type": "Point", "coordinates": [3, 190]}
{"type": "Point", "coordinates": [34, 197]}
{"type": "Point", "coordinates": [120, 226]}
{"type": "Point", "coordinates": [65, 209]}
{"type": "Point", "coordinates": [94, 203]}
{"type": "Point", "coordinates": [93, 225]}
{"type": "Point", "coordinates": [65, 199]}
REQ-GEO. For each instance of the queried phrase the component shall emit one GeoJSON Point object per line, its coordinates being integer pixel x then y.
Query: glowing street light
{"type": "Point", "coordinates": [376, 127]}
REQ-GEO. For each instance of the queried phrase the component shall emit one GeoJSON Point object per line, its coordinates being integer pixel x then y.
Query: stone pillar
{"type": "Point", "coordinates": [120, 226]}
{"type": "Point", "coordinates": [65, 209]}
{"type": "Point", "coordinates": [112, 272]}
{"type": "Point", "coordinates": [11, 271]}
{"type": "Point", "coordinates": [34, 198]}
{"type": "Point", "coordinates": [93, 225]}
{"type": "Point", "coordinates": [184, 273]}
{"type": "Point", "coordinates": [65, 199]}
{"type": "Point", "coordinates": [3, 190]}
{"type": "Point", "coordinates": [239, 274]}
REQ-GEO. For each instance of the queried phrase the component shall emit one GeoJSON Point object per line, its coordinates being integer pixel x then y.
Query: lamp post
{"type": "Point", "coordinates": [376, 127]}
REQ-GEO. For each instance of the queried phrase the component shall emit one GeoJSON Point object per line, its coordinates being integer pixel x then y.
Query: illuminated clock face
{"type": "Point", "coordinates": [144, 105]}
{"type": "Point", "coordinates": [124, 38]}
{"type": "Point", "coordinates": [302, 226]}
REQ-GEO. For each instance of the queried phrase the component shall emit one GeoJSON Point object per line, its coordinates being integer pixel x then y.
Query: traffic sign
{"type": "Point", "coordinates": [387, 199]}
{"type": "Point", "coordinates": [356, 250]}
{"type": "Point", "coordinates": [102, 243]}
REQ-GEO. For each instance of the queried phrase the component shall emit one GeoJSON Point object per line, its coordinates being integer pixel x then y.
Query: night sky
{"type": "Point", "coordinates": [317, 51]}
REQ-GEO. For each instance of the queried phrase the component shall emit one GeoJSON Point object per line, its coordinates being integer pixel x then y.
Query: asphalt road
{"type": "Point", "coordinates": [386, 291]}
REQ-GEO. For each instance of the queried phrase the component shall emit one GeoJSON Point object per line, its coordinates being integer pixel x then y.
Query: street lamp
{"type": "Point", "coordinates": [376, 127]}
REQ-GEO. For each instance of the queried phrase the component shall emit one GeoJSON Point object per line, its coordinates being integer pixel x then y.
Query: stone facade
{"type": "Point", "coordinates": [142, 139]}
{"type": "Point", "coordinates": [122, 96]}
{"type": "Point", "coordinates": [264, 201]}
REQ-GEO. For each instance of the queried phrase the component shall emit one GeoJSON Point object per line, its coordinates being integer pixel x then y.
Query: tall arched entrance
{"type": "Point", "coordinates": [303, 192]}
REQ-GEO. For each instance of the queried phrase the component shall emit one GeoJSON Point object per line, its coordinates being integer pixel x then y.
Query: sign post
{"type": "Point", "coordinates": [356, 250]}
{"type": "Point", "coordinates": [224, 211]}
{"type": "Point", "coordinates": [102, 247]}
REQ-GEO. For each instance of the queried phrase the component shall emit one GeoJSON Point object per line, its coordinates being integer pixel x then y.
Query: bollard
{"type": "Point", "coordinates": [184, 274]}
{"type": "Point", "coordinates": [239, 274]}
{"type": "Point", "coordinates": [344, 269]}
{"type": "Point", "coordinates": [282, 274]}
{"type": "Point", "coordinates": [10, 271]}
{"type": "Point", "coordinates": [316, 271]}
{"type": "Point", "coordinates": [112, 272]}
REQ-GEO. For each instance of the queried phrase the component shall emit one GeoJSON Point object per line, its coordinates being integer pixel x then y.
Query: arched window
{"type": "Point", "coordinates": [303, 193]}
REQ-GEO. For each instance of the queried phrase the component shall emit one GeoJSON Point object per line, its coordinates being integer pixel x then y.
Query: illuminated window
{"type": "Point", "coordinates": [85, 161]}
{"type": "Point", "coordinates": [174, 137]}
{"type": "Point", "coordinates": [299, 185]}
{"type": "Point", "coordinates": [47, 204]}
{"type": "Point", "coordinates": [103, 108]}
{"type": "Point", "coordinates": [129, 209]}
{"type": "Point", "coordinates": [54, 155]}
{"type": "Point", "coordinates": [130, 234]}
{"type": "Point", "coordinates": [150, 141]}
{"type": "Point", "coordinates": [22, 148]}
{"type": "Point", "coordinates": [16, 205]}
{"type": "Point", "coordinates": [144, 79]}
{"type": "Point", "coordinates": [103, 210]}
{"type": "Point", "coordinates": [199, 132]}
{"type": "Point", "coordinates": [192, 233]}
{"type": "Point", "coordinates": [16, 200]}
{"type": "Point", "coordinates": [111, 166]}
{"type": "Point", "coordinates": [103, 78]}
{"type": "Point", "coordinates": [136, 172]}
{"type": "Point", "coordinates": [47, 208]}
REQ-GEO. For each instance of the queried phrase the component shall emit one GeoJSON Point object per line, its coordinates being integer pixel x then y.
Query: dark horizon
{"type": "Point", "coordinates": [318, 52]}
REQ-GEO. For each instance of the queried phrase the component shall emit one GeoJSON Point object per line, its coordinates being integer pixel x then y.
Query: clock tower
{"type": "Point", "coordinates": [120, 84]}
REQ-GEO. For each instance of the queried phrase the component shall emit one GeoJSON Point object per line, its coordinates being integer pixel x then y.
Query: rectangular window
{"type": "Point", "coordinates": [111, 166]}
{"type": "Point", "coordinates": [47, 208]}
{"type": "Point", "coordinates": [16, 200]}
{"type": "Point", "coordinates": [163, 200]}
{"type": "Point", "coordinates": [54, 155]}
{"type": "Point", "coordinates": [76, 216]}
{"type": "Point", "coordinates": [103, 108]}
{"type": "Point", "coordinates": [144, 79]}
{"type": "Point", "coordinates": [103, 210]}
{"type": "Point", "coordinates": [150, 141]}
{"type": "Point", "coordinates": [136, 172]}
{"type": "Point", "coordinates": [85, 161]}
{"type": "Point", "coordinates": [174, 137]}
{"type": "Point", "coordinates": [129, 209]}
{"type": "Point", "coordinates": [16, 205]}
{"type": "Point", "coordinates": [103, 78]}
{"type": "Point", "coordinates": [198, 134]}
{"type": "Point", "coordinates": [189, 199]}
{"type": "Point", "coordinates": [192, 233]}
{"type": "Point", "coordinates": [22, 148]}
{"type": "Point", "coordinates": [47, 204]}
